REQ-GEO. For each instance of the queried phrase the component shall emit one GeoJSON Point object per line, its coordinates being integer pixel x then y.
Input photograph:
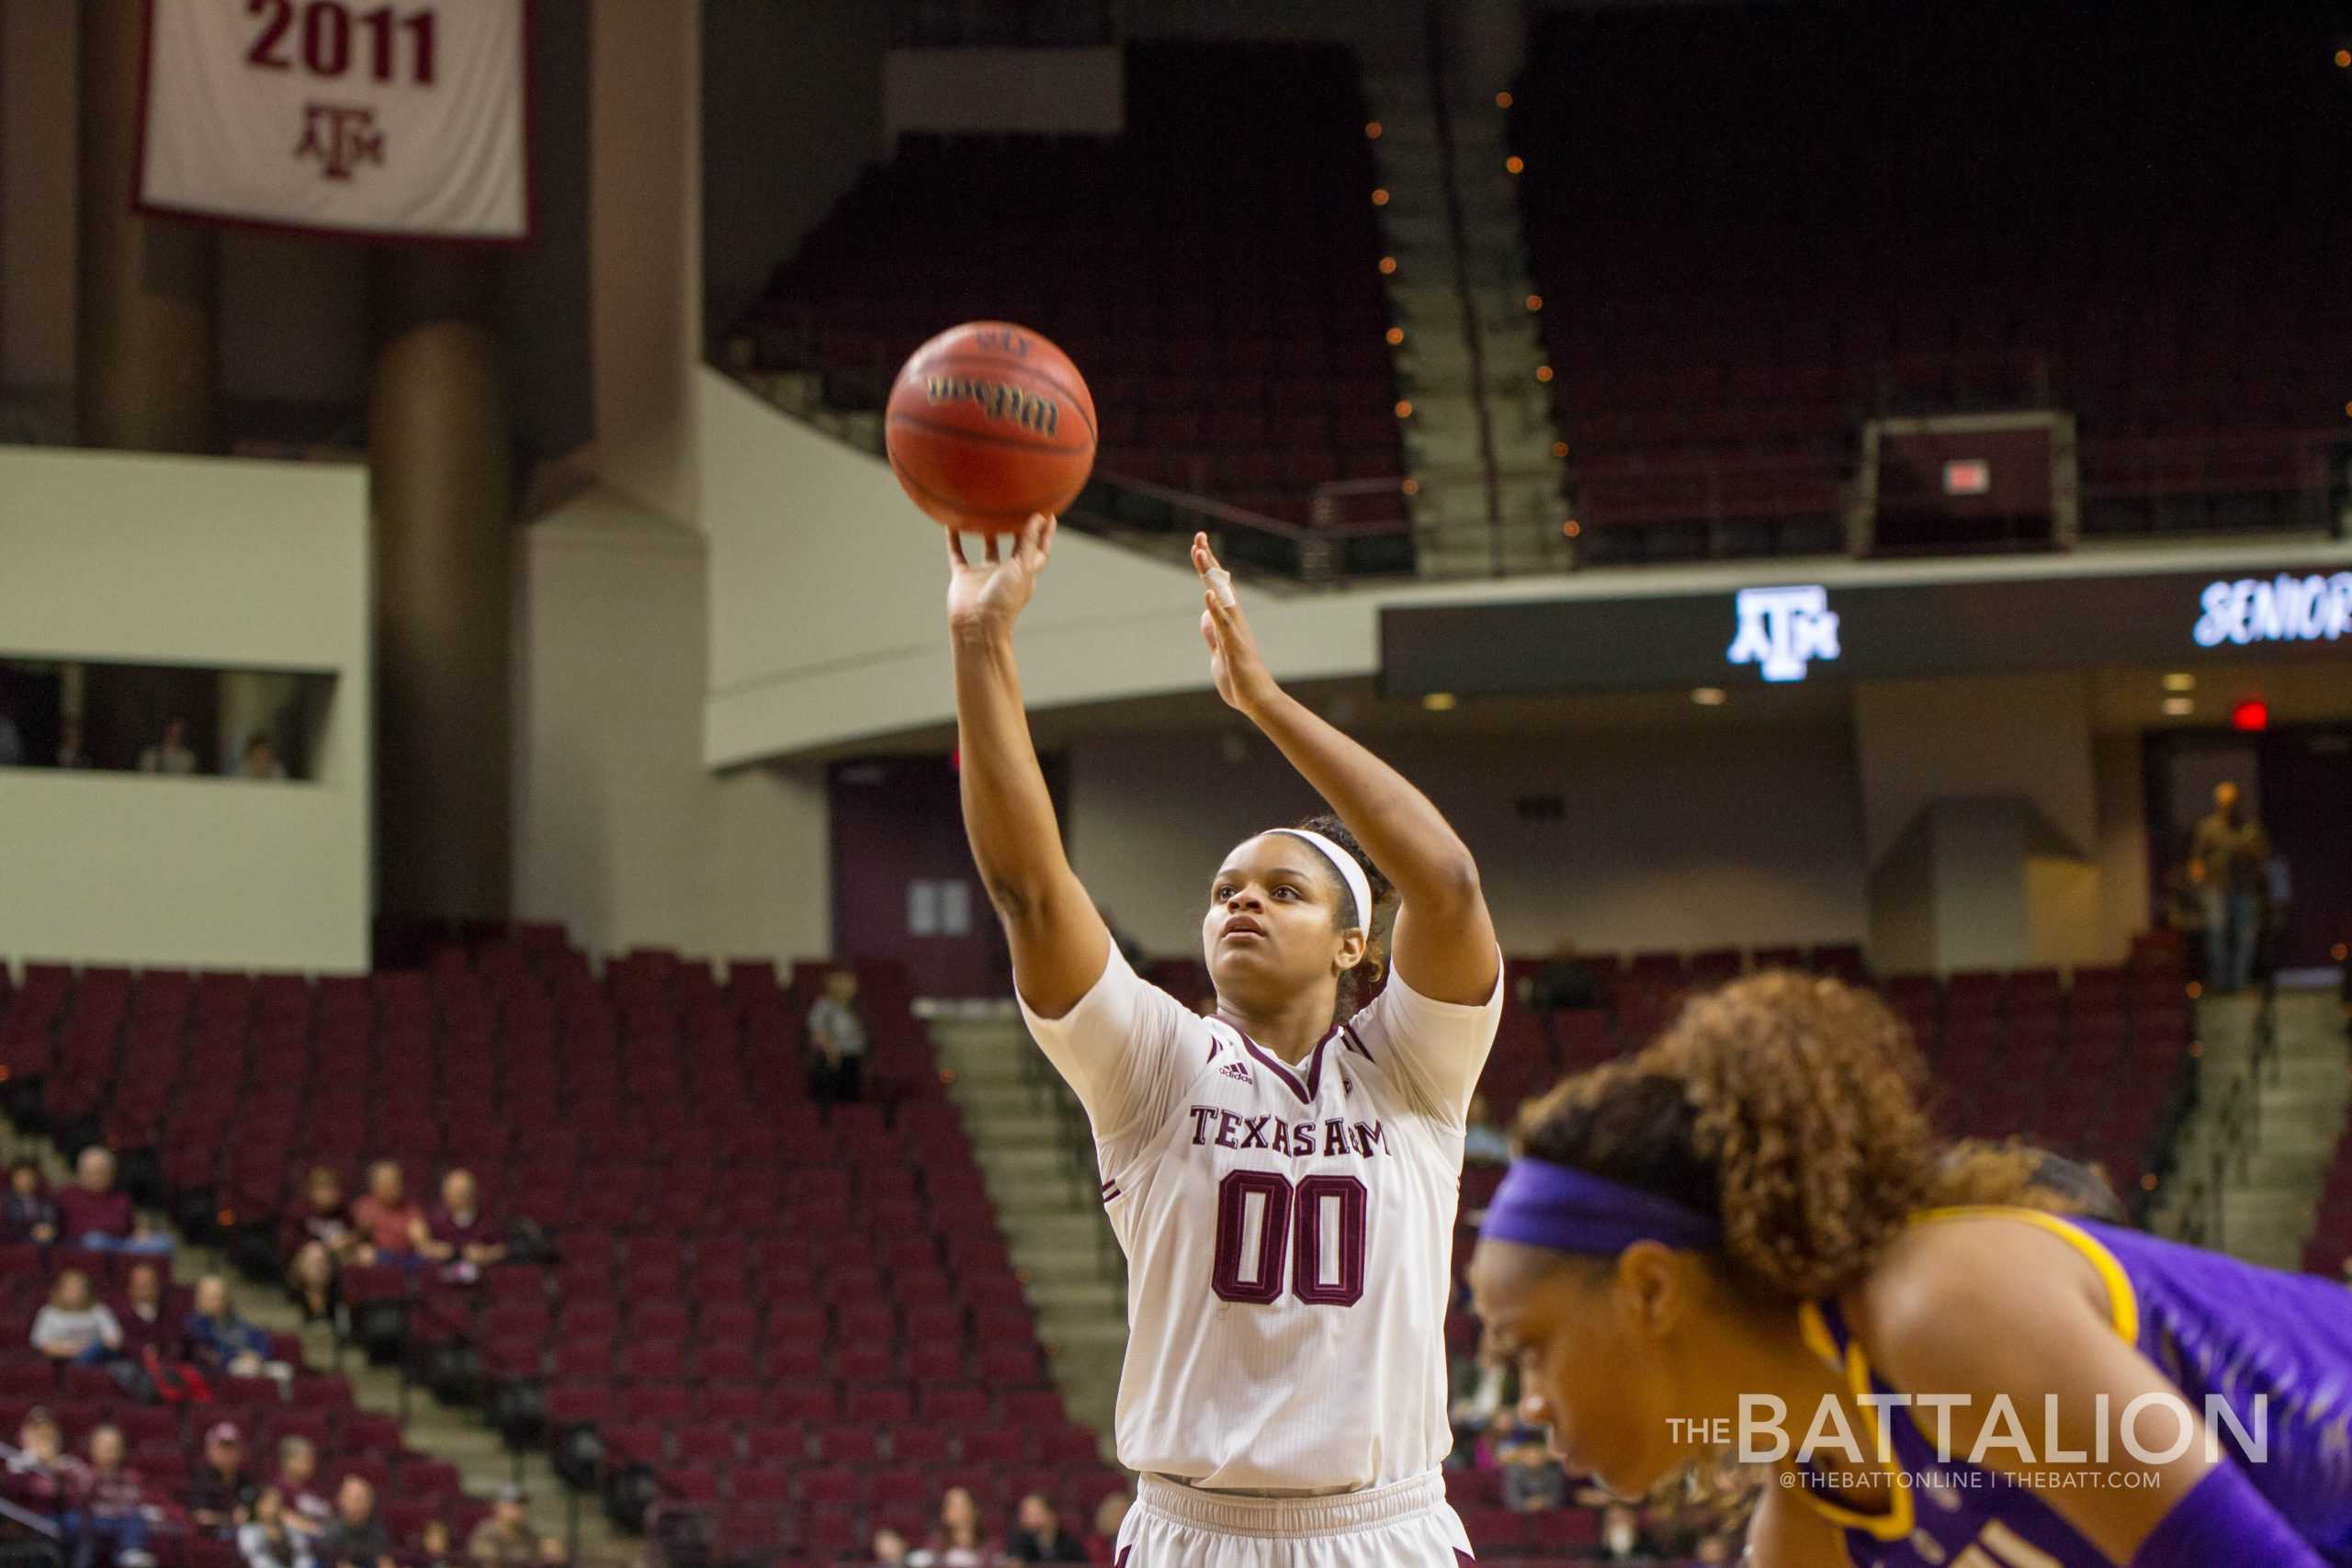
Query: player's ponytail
{"type": "Point", "coordinates": [1359, 985]}
{"type": "Point", "coordinates": [1785, 1108]}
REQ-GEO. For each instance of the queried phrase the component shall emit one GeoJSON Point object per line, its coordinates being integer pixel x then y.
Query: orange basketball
{"type": "Point", "coordinates": [988, 423]}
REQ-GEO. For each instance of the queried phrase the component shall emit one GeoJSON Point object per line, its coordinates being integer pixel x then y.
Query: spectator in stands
{"type": "Point", "coordinates": [432, 1546]}
{"type": "Point", "coordinates": [315, 1285]}
{"type": "Point", "coordinates": [505, 1540]}
{"type": "Point", "coordinates": [1621, 1533]}
{"type": "Point", "coordinates": [31, 1212]}
{"type": "Point", "coordinates": [1109, 1515]}
{"type": "Point", "coordinates": [260, 759]}
{"type": "Point", "coordinates": [114, 1508]}
{"type": "Point", "coordinates": [43, 1478]}
{"type": "Point", "coordinates": [457, 1234]}
{"type": "Point", "coordinates": [1484, 1143]}
{"type": "Point", "coordinates": [1533, 1479]}
{"type": "Point", "coordinates": [890, 1550]}
{"type": "Point", "coordinates": [2227, 860]}
{"type": "Point", "coordinates": [308, 1513]}
{"type": "Point", "coordinates": [551, 1552]}
{"type": "Point", "coordinates": [224, 1343]}
{"type": "Point", "coordinates": [71, 751]}
{"type": "Point", "coordinates": [1040, 1537]}
{"type": "Point", "coordinates": [75, 1326]}
{"type": "Point", "coordinates": [958, 1543]}
{"type": "Point", "coordinates": [324, 1217]}
{"type": "Point", "coordinates": [171, 754]}
{"type": "Point", "coordinates": [268, 1539]}
{"type": "Point", "coordinates": [356, 1538]}
{"type": "Point", "coordinates": [837, 1034]}
{"type": "Point", "coordinates": [388, 1223]}
{"type": "Point", "coordinates": [92, 1215]}
{"type": "Point", "coordinates": [221, 1492]}
{"type": "Point", "coordinates": [145, 1317]}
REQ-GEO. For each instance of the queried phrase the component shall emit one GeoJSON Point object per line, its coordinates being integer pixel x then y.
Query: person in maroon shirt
{"type": "Point", "coordinates": [114, 1505]}
{"type": "Point", "coordinates": [43, 1478]}
{"type": "Point", "coordinates": [146, 1317]}
{"type": "Point", "coordinates": [457, 1235]}
{"type": "Point", "coordinates": [93, 1216]}
{"type": "Point", "coordinates": [221, 1491]}
{"type": "Point", "coordinates": [389, 1225]}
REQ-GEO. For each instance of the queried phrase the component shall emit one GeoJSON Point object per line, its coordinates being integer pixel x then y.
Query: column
{"type": "Point", "coordinates": [143, 330]}
{"type": "Point", "coordinates": [441, 455]}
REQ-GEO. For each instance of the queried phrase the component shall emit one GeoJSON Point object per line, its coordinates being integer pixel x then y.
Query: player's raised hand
{"type": "Point", "coordinates": [1234, 661]}
{"type": "Point", "coordinates": [989, 594]}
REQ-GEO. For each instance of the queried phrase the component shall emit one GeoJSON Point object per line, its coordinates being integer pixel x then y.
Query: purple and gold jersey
{"type": "Point", "coordinates": [2219, 1328]}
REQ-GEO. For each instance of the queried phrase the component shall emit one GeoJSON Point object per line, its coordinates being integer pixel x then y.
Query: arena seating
{"type": "Point", "coordinates": [802, 1322]}
{"type": "Point", "coordinates": [163, 1441]}
{"type": "Point", "coordinates": [2126, 214]}
{"type": "Point", "coordinates": [1214, 271]}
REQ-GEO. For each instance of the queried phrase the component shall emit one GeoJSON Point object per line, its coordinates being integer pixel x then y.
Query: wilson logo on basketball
{"type": "Point", "coordinates": [1000, 401]}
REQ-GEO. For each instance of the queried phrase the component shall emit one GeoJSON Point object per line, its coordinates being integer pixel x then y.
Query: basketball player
{"type": "Point", "coordinates": [1753, 1207]}
{"type": "Point", "coordinates": [1281, 1175]}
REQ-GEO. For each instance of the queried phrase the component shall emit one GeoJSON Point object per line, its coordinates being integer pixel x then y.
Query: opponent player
{"type": "Point", "coordinates": [1750, 1208]}
{"type": "Point", "coordinates": [1283, 1175]}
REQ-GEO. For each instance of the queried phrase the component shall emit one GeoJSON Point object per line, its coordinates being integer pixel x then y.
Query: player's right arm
{"type": "Point", "coordinates": [1060, 944]}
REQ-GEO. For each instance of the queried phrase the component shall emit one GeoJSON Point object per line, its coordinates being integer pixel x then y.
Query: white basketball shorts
{"type": "Point", "coordinates": [1406, 1524]}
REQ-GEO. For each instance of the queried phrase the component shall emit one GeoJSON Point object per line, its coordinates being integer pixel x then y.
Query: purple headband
{"type": "Point", "coordinates": [1541, 1204]}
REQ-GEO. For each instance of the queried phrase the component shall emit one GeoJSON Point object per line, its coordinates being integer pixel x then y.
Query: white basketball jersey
{"type": "Point", "coordinates": [1288, 1231]}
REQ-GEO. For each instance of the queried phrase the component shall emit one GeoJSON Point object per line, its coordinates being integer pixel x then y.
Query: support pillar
{"type": "Point", "coordinates": [440, 451]}
{"type": "Point", "coordinates": [144, 345]}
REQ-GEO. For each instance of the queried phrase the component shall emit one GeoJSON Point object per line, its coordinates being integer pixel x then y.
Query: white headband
{"type": "Point", "coordinates": [1359, 885]}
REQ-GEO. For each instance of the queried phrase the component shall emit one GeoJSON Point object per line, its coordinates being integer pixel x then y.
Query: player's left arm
{"type": "Point", "coordinates": [1444, 944]}
{"type": "Point", "coordinates": [1985, 1316]}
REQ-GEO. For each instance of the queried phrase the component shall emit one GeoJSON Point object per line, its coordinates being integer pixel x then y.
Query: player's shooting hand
{"type": "Point", "coordinates": [990, 595]}
{"type": "Point", "coordinates": [1235, 664]}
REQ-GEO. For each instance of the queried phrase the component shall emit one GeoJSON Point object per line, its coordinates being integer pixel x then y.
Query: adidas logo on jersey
{"type": "Point", "coordinates": [1238, 1071]}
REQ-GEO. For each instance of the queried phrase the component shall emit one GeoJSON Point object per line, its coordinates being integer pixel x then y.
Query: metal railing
{"type": "Point", "coordinates": [844, 402]}
{"type": "Point", "coordinates": [2228, 1138]}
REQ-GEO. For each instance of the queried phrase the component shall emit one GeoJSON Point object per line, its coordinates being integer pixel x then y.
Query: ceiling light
{"type": "Point", "coordinates": [2180, 707]}
{"type": "Point", "coordinates": [2180, 681]}
{"type": "Point", "coordinates": [1440, 702]}
{"type": "Point", "coordinates": [1708, 696]}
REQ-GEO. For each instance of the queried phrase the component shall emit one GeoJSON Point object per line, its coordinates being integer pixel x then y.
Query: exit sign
{"type": "Point", "coordinates": [1968, 475]}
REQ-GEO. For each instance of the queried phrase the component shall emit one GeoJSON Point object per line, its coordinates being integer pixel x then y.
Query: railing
{"type": "Point", "coordinates": [2228, 1138]}
{"type": "Point", "coordinates": [843, 402]}
{"type": "Point", "coordinates": [1015, 24]}
{"type": "Point", "coordinates": [452, 1368]}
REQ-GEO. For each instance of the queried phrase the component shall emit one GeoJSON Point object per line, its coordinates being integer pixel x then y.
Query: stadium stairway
{"type": "Point", "coordinates": [2270, 1203]}
{"type": "Point", "coordinates": [1034, 1152]}
{"type": "Point", "coordinates": [1469, 356]}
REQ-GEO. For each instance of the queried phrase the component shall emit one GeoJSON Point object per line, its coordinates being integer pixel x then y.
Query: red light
{"type": "Point", "coordinates": [955, 760]}
{"type": "Point", "coordinates": [2251, 714]}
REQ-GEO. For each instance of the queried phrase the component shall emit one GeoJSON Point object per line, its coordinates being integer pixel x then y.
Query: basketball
{"type": "Point", "coordinates": [988, 423]}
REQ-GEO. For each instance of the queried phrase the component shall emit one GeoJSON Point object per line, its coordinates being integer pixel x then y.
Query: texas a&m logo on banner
{"type": "Point", "coordinates": [397, 120]}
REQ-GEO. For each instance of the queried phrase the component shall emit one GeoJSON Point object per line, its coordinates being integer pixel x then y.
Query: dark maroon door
{"type": "Point", "coordinates": [904, 885]}
{"type": "Point", "coordinates": [2306, 785]}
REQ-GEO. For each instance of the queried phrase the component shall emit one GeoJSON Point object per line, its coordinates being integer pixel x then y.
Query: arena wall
{"type": "Point", "coordinates": [1670, 839]}
{"type": "Point", "coordinates": [205, 562]}
{"type": "Point", "coordinates": [620, 832]}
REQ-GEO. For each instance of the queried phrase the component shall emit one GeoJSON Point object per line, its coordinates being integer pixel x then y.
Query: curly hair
{"type": "Point", "coordinates": [1791, 1110]}
{"type": "Point", "coordinates": [1358, 985]}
